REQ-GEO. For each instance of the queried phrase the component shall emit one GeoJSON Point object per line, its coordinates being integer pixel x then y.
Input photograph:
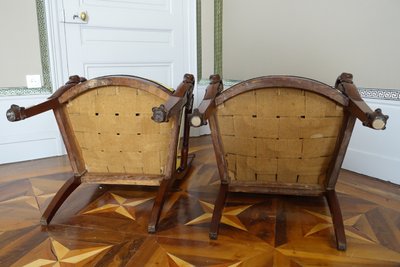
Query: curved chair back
{"type": "Point", "coordinates": [280, 132]}
{"type": "Point", "coordinates": [113, 129]}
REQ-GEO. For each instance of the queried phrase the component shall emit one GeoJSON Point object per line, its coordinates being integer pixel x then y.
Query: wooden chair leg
{"type": "Point", "coordinates": [163, 190]}
{"type": "Point", "coordinates": [337, 219]}
{"type": "Point", "coordinates": [180, 173]}
{"type": "Point", "coordinates": [63, 193]}
{"type": "Point", "coordinates": [217, 213]}
{"type": "Point", "coordinates": [185, 145]}
{"type": "Point", "coordinates": [158, 204]}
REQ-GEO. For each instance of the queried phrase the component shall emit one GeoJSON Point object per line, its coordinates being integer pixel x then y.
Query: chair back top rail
{"type": "Point", "coordinates": [276, 81]}
{"type": "Point", "coordinates": [344, 93]}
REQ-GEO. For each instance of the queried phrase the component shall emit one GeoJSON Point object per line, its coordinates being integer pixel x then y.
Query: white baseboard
{"type": "Point", "coordinates": [29, 150]}
{"type": "Point", "coordinates": [374, 165]}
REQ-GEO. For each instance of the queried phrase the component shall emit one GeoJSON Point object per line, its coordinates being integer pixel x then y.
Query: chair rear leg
{"type": "Point", "coordinates": [217, 213]}
{"type": "Point", "coordinates": [185, 145]}
{"type": "Point", "coordinates": [166, 184]}
{"type": "Point", "coordinates": [158, 204]}
{"type": "Point", "coordinates": [337, 219]}
{"type": "Point", "coordinates": [62, 194]}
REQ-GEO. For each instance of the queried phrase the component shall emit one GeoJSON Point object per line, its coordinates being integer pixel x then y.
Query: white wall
{"type": "Point", "coordinates": [316, 39]}
{"type": "Point", "coordinates": [19, 46]}
{"type": "Point", "coordinates": [207, 40]}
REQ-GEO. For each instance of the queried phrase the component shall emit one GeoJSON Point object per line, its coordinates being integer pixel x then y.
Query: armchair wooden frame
{"type": "Point", "coordinates": [170, 107]}
{"type": "Point", "coordinates": [345, 103]}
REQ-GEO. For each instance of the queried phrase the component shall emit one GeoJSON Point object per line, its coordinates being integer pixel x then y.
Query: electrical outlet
{"type": "Point", "coordinates": [33, 81]}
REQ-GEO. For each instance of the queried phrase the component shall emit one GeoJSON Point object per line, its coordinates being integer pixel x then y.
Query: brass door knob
{"type": "Point", "coordinates": [83, 16]}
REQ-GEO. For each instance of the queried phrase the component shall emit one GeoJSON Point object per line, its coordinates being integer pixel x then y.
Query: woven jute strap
{"type": "Point", "coordinates": [279, 135]}
{"type": "Point", "coordinates": [114, 130]}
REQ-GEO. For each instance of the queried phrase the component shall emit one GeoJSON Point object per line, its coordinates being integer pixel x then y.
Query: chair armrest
{"type": "Point", "coordinates": [357, 106]}
{"type": "Point", "coordinates": [182, 96]}
{"type": "Point", "coordinates": [202, 113]}
{"type": "Point", "coordinates": [17, 113]}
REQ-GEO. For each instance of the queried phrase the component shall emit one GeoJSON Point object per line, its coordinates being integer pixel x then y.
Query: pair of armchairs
{"type": "Point", "coordinates": [274, 134]}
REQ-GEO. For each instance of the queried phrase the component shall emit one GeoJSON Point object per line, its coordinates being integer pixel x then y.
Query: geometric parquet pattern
{"type": "Point", "coordinates": [107, 225]}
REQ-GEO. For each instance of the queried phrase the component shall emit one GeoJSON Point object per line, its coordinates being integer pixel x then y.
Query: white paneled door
{"type": "Point", "coordinates": [149, 38]}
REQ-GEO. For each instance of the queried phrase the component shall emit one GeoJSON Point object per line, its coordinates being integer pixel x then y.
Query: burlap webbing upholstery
{"type": "Point", "coordinates": [279, 135]}
{"type": "Point", "coordinates": [114, 130]}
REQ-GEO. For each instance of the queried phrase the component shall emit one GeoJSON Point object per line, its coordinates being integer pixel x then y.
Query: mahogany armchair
{"type": "Point", "coordinates": [110, 138]}
{"type": "Point", "coordinates": [283, 135]}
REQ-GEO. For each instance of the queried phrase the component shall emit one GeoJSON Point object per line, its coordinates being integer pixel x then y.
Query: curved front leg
{"type": "Point", "coordinates": [158, 204]}
{"type": "Point", "coordinates": [62, 194]}
{"type": "Point", "coordinates": [337, 219]}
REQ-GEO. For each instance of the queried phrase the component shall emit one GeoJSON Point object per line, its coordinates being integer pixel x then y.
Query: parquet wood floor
{"type": "Point", "coordinates": [107, 225]}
